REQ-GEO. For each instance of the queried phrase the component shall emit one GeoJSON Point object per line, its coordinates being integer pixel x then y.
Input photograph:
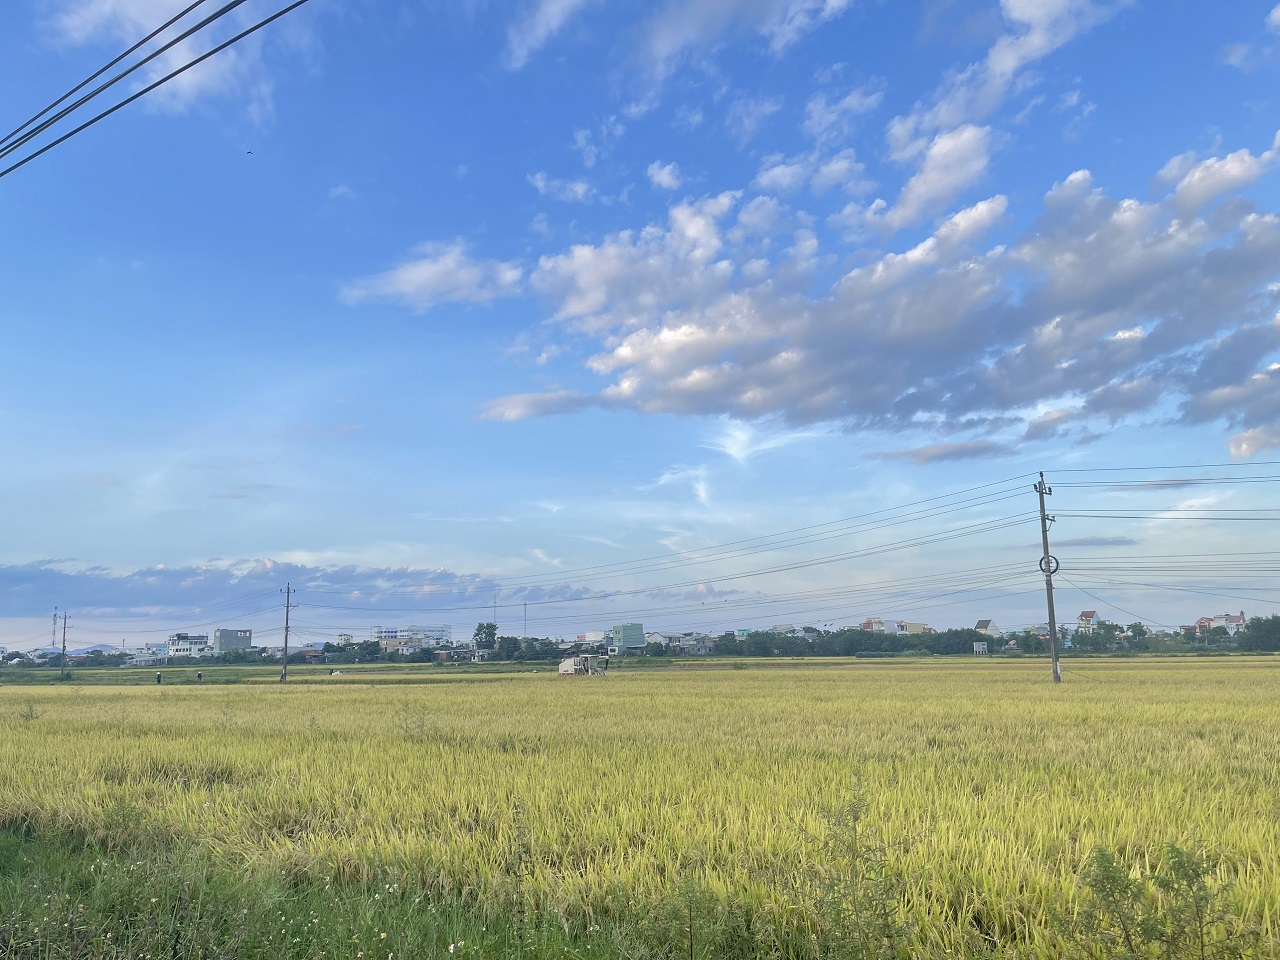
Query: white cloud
{"type": "Point", "coordinates": [743, 441]}
{"type": "Point", "coordinates": [1216, 176]}
{"type": "Point", "coordinates": [1036, 29]}
{"type": "Point", "coordinates": [666, 176]}
{"type": "Point", "coordinates": [823, 119]}
{"type": "Point", "coordinates": [568, 191]}
{"type": "Point", "coordinates": [631, 271]}
{"type": "Point", "coordinates": [820, 171]}
{"type": "Point", "coordinates": [1242, 56]}
{"type": "Point", "coordinates": [954, 161]}
{"type": "Point", "coordinates": [782, 175]}
{"type": "Point", "coordinates": [695, 477]}
{"type": "Point", "coordinates": [1103, 308]}
{"type": "Point", "coordinates": [439, 273]}
{"type": "Point", "coordinates": [1273, 19]}
{"type": "Point", "coordinates": [1247, 444]}
{"type": "Point", "coordinates": [747, 115]}
{"type": "Point", "coordinates": [341, 192]}
{"type": "Point", "coordinates": [237, 70]}
{"type": "Point", "coordinates": [688, 25]}
{"type": "Point", "coordinates": [531, 32]}
{"type": "Point", "coordinates": [842, 170]}
{"type": "Point", "coordinates": [1177, 168]}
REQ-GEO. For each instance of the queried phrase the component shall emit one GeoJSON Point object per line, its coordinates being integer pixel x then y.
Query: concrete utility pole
{"type": "Point", "coordinates": [1049, 566]}
{"type": "Point", "coordinates": [288, 592]}
{"type": "Point", "coordinates": [63, 673]}
{"type": "Point", "coordinates": [526, 620]}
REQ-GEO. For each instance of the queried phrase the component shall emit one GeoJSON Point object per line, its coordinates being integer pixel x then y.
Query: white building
{"type": "Point", "coordinates": [1231, 622]}
{"type": "Point", "coordinates": [880, 625]}
{"type": "Point", "coordinates": [410, 639]}
{"type": "Point", "coordinates": [189, 645]}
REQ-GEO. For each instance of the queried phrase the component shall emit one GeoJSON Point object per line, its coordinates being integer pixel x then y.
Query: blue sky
{"type": "Point", "coordinates": [395, 294]}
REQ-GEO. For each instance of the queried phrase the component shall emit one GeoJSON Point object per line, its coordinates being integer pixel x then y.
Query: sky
{"type": "Point", "coordinates": [435, 311]}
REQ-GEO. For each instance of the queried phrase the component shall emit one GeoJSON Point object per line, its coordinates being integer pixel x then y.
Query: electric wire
{"type": "Point", "coordinates": [152, 86]}
{"type": "Point", "coordinates": [88, 80]}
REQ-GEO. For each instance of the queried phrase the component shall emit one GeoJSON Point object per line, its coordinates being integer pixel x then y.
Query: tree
{"type": "Point", "coordinates": [485, 636]}
{"type": "Point", "coordinates": [1262, 633]}
{"type": "Point", "coordinates": [504, 648]}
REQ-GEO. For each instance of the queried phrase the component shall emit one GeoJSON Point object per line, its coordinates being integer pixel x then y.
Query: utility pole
{"type": "Point", "coordinates": [495, 617]}
{"type": "Point", "coordinates": [1049, 566]}
{"type": "Point", "coordinates": [63, 673]}
{"type": "Point", "coordinates": [526, 619]}
{"type": "Point", "coordinates": [288, 593]}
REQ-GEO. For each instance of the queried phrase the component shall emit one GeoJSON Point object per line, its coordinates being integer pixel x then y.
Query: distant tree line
{"type": "Point", "coordinates": [1260, 634]}
{"type": "Point", "coordinates": [849, 642]}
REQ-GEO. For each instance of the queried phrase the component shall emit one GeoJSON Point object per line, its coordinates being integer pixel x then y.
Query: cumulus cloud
{"type": "Point", "coordinates": [941, 134]}
{"type": "Point", "coordinates": [954, 161]}
{"type": "Point", "coordinates": [817, 170]}
{"type": "Point", "coordinates": [665, 176]}
{"type": "Point", "coordinates": [438, 273]}
{"type": "Point", "coordinates": [1102, 309]}
{"type": "Point", "coordinates": [1206, 181]}
{"type": "Point", "coordinates": [1273, 19]}
{"type": "Point", "coordinates": [1245, 445]}
{"type": "Point", "coordinates": [536, 26]}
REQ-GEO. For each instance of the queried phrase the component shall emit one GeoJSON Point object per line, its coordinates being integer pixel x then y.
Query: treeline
{"type": "Point", "coordinates": [1260, 634]}
{"type": "Point", "coordinates": [850, 643]}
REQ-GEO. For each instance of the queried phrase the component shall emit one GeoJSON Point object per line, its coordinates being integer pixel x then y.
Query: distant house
{"type": "Point", "coordinates": [694, 645]}
{"type": "Point", "coordinates": [905, 628]}
{"type": "Point", "coordinates": [1087, 622]}
{"type": "Point", "coordinates": [1231, 622]}
{"type": "Point", "coordinates": [988, 627]}
{"type": "Point", "coordinates": [979, 647]}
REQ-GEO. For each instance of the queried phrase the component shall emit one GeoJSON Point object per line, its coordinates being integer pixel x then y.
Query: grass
{"type": "Point", "coordinates": [605, 809]}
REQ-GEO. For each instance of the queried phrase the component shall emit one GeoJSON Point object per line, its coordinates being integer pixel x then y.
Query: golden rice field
{"type": "Point", "coordinates": [589, 796]}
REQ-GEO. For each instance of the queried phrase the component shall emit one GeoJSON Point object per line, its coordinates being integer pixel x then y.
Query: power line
{"type": "Point", "coordinates": [1121, 609]}
{"type": "Point", "coordinates": [764, 544]}
{"type": "Point", "coordinates": [84, 83]}
{"type": "Point", "coordinates": [152, 86]}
